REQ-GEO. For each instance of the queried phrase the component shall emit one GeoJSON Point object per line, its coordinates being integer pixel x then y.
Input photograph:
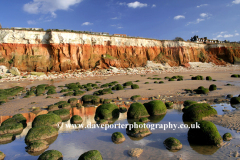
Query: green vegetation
{"type": "Point", "coordinates": [107, 111]}
{"type": "Point", "coordinates": [134, 86]}
{"type": "Point", "coordinates": [90, 98]}
{"type": "Point", "coordinates": [144, 120]}
{"type": "Point", "coordinates": [201, 90]}
{"type": "Point", "coordinates": [155, 107]}
{"type": "Point", "coordinates": [188, 103]}
{"type": "Point", "coordinates": [76, 119]}
{"type": "Point", "coordinates": [13, 128]}
{"type": "Point", "coordinates": [117, 87]}
{"type": "Point", "coordinates": [62, 113]}
{"type": "Point", "coordinates": [5, 93]}
{"type": "Point", "coordinates": [207, 134]}
{"type": "Point", "coordinates": [146, 83]}
{"type": "Point", "coordinates": [78, 93]}
{"type": "Point", "coordinates": [69, 94]}
{"type": "Point", "coordinates": [49, 119]}
{"type": "Point", "coordinates": [51, 91]}
{"type": "Point", "coordinates": [172, 144]}
{"type": "Point", "coordinates": [129, 83]}
{"type": "Point", "coordinates": [227, 137]}
{"type": "Point", "coordinates": [122, 109]}
{"type": "Point", "coordinates": [91, 155]}
{"type": "Point", "coordinates": [212, 87]}
{"type": "Point", "coordinates": [102, 92]}
{"type": "Point", "coordinates": [161, 82]}
{"type": "Point", "coordinates": [208, 78]}
{"type": "Point", "coordinates": [198, 111]}
{"type": "Point", "coordinates": [40, 89]}
{"type": "Point", "coordinates": [234, 75]}
{"type": "Point", "coordinates": [198, 77]}
{"type": "Point", "coordinates": [51, 155]}
{"type": "Point", "coordinates": [136, 111]}
{"type": "Point", "coordinates": [136, 97]}
{"type": "Point", "coordinates": [2, 102]}
{"type": "Point", "coordinates": [169, 105]}
{"type": "Point", "coordinates": [171, 79]}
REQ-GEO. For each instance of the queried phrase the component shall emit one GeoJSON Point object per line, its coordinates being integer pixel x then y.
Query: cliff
{"type": "Point", "coordinates": [61, 51]}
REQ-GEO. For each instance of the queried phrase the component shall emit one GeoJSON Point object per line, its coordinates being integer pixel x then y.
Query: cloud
{"type": "Point", "coordinates": [205, 15]}
{"type": "Point", "coordinates": [87, 24]}
{"type": "Point", "coordinates": [224, 34]}
{"type": "Point", "coordinates": [195, 22]}
{"type": "Point", "coordinates": [202, 5]}
{"type": "Point", "coordinates": [120, 27]}
{"type": "Point", "coordinates": [31, 22]}
{"type": "Point", "coordinates": [179, 17]}
{"type": "Point", "coordinates": [48, 6]}
{"type": "Point", "coordinates": [115, 18]}
{"type": "Point", "coordinates": [122, 3]}
{"type": "Point", "coordinates": [228, 35]}
{"type": "Point", "coordinates": [154, 5]}
{"type": "Point", "coordinates": [136, 5]}
{"type": "Point", "coordinates": [236, 2]}
{"type": "Point", "coordinates": [236, 34]}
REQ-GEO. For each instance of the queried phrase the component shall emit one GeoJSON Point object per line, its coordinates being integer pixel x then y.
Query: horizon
{"type": "Point", "coordinates": [146, 19]}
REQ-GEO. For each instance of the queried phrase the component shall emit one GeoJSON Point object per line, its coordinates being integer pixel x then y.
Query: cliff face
{"type": "Point", "coordinates": [61, 51]}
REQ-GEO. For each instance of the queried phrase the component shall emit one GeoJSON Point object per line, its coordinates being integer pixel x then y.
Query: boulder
{"type": "Point", "coordinates": [64, 114]}
{"type": "Point", "coordinates": [12, 128]}
{"type": "Point", "coordinates": [137, 110]}
{"type": "Point", "coordinates": [107, 111]}
{"type": "Point", "coordinates": [235, 100]}
{"type": "Point", "coordinates": [135, 152]}
{"type": "Point", "coordinates": [198, 111]}
{"type": "Point", "coordinates": [40, 133]}
{"type": "Point", "coordinates": [73, 101]}
{"type": "Point", "coordinates": [227, 137]}
{"type": "Point", "coordinates": [188, 103]}
{"type": "Point", "coordinates": [172, 144]}
{"type": "Point", "coordinates": [14, 71]}
{"type": "Point", "coordinates": [2, 155]}
{"type": "Point", "coordinates": [76, 119]}
{"type": "Point", "coordinates": [118, 137]}
{"type": "Point", "coordinates": [144, 120]}
{"type": "Point", "coordinates": [37, 146]}
{"type": "Point", "coordinates": [7, 137]}
{"type": "Point", "coordinates": [169, 105]}
{"type": "Point", "coordinates": [156, 107]}
{"type": "Point", "coordinates": [122, 109]}
{"type": "Point", "coordinates": [206, 134]}
{"type": "Point", "coordinates": [91, 155]}
{"type": "Point", "coordinates": [138, 129]}
{"type": "Point", "coordinates": [212, 87]}
{"type": "Point", "coordinates": [51, 155]}
{"type": "Point", "coordinates": [49, 119]}
{"type": "Point", "coordinates": [3, 69]}
{"type": "Point", "coordinates": [53, 108]}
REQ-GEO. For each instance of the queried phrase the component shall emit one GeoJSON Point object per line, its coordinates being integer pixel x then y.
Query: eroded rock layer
{"type": "Point", "coordinates": [61, 51]}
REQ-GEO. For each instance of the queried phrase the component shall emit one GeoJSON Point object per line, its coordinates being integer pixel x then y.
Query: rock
{"type": "Point", "coordinates": [3, 69]}
{"type": "Point", "coordinates": [212, 87]}
{"type": "Point", "coordinates": [229, 96]}
{"type": "Point", "coordinates": [107, 111]}
{"type": "Point", "coordinates": [138, 129]}
{"type": "Point", "coordinates": [40, 133]}
{"type": "Point", "coordinates": [73, 101]}
{"type": "Point", "coordinates": [118, 98]}
{"type": "Point", "coordinates": [90, 98]}
{"type": "Point", "coordinates": [172, 144]}
{"type": "Point", "coordinates": [64, 114]}
{"type": "Point", "coordinates": [122, 109]}
{"type": "Point", "coordinates": [155, 107]}
{"type": "Point", "coordinates": [197, 111]}
{"type": "Point", "coordinates": [169, 105]}
{"type": "Point", "coordinates": [49, 119]}
{"type": "Point", "coordinates": [51, 154]}
{"type": "Point", "coordinates": [12, 128]}
{"type": "Point", "coordinates": [118, 137]}
{"type": "Point", "coordinates": [91, 155]}
{"type": "Point", "coordinates": [136, 97]}
{"type": "Point", "coordinates": [137, 110]}
{"type": "Point", "coordinates": [144, 120]}
{"type": "Point", "coordinates": [227, 137]}
{"type": "Point", "coordinates": [36, 146]}
{"type": "Point", "coordinates": [6, 138]}
{"type": "Point", "coordinates": [76, 119]}
{"type": "Point", "coordinates": [17, 118]}
{"type": "Point", "coordinates": [235, 100]}
{"type": "Point", "coordinates": [2, 155]}
{"type": "Point", "coordinates": [188, 103]}
{"type": "Point", "coordinates": [207, 134]}
{"type": "Point", "coordinates": [14, 71]}
{"type": "Point", "coordinates": [53, 108]}
{"type": "Point", "coordinates": [135, 152]}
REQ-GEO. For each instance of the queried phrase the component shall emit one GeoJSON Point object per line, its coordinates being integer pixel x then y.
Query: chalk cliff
{"type": "Point", "coordinates": [61, 51]}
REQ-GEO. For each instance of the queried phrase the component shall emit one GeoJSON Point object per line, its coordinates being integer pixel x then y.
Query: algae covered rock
{"type": "Point", "coordinates": [90, 98]}
{"type": "Point", "coordinates": [136, 97]}
{"type": "Point", "coordinates": [197, 111]}
{"type": "Point", "coordinates": [107, 111]}
{"type": "Point", "coordinates": [172, 144]}
{"type": "Point", "coordinates": [201, 90]}
{"type": "Point", "coordinates": [40, 133]}
{"type": "Point", "coordinates": [134, 86]}
{"type": "Point", "coordinates": [7, 137]}
{"type": "Point", "coordinates": [156, 107]}
{"type": "Point", "coordinates": [135, 152]}
{"type": "Point", "coordinates": [36, 146]}
{"type": "Point", "coordinates": [235, 100]}
{"type": "Point", "coordinates": [51, 155]}
{"type": "Point", "coordinates": [206, 134]}
{"type": "Point", "coordinates": [138, 129]}
{"type": "Point", "coordinates": [227, 137]}
{"type": "Point", "coordinates": [137, 110]}
{"type": "Point", "coordinates": [118, 137]}
{"type": "Point", "coordinates": [73, 101]}
{"type": "Point", "coordinates": [76, 119]}
{"type": "Point", "coordinates": [144, 120]}
{"type": "Point", "coordinates": [122, 109]}
{"type": "Point", "coordinates": [169, 105]}
{"type": "Point", "coordinates": [18, 118]}
{"type": "Point", "coordinates": [12, 128]}
{"type": "Point", "coordinates": [91, 155]}
{"type": "Point", "coordinates": [49, 119]}
{"type": "Point", "coordinates": [188, 103]}
{"type": "Point", "coordinates": [212, 87]}
{"type": "Point", "coordinates": [208, 78]}
{"type": "Point", "coordinates": [2, 155]}
{"type": "Point", "coordinates": [62, 113]}
{"type": "Point", "coordinates": [53, 108]}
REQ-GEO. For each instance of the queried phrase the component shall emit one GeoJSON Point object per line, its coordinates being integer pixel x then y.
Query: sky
{"type": "Point", "coordinates": [158, 19]}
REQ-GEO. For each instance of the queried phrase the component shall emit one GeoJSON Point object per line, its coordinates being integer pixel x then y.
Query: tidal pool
{"type": "Point", "coordinates": [73, 142]}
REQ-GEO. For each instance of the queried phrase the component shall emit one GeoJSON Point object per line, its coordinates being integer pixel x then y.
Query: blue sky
{"type": "Point", "coordinates": [159, 19]}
